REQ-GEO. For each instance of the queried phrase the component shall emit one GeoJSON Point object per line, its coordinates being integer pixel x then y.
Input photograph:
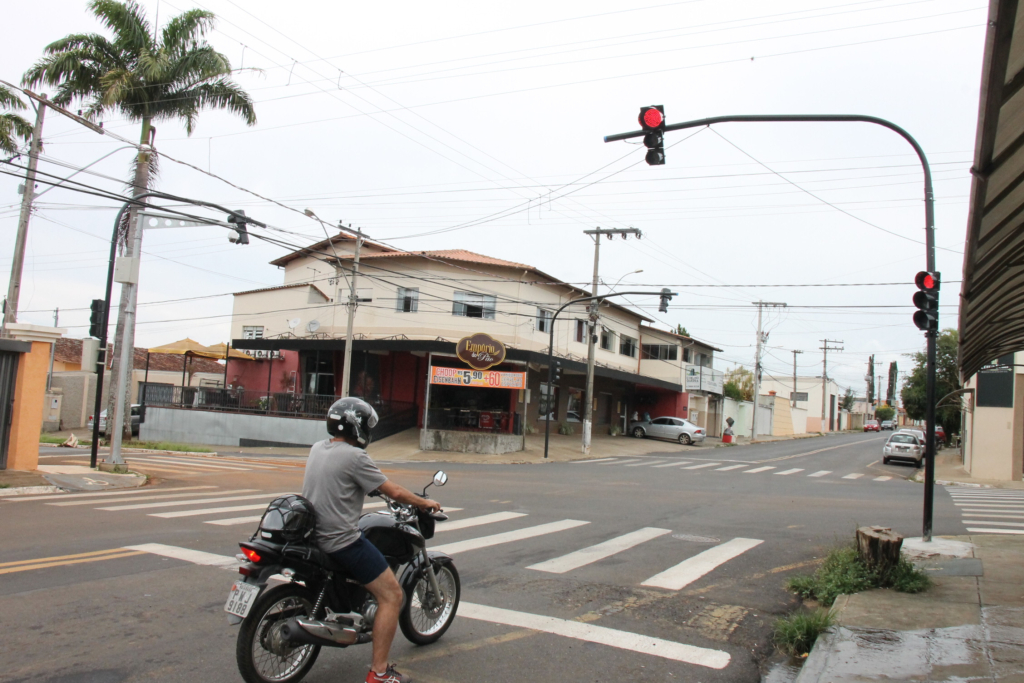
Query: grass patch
{"type": "Point", "coordinates": [843, 573]}
{"type": "Point", "coordinates": [5, 486]}
{"type": "Point", "coordinates": [795, 635]}
{"type": "Point", "coordinates": [165, 446]}
{"type": "Point", "coordinates": [48, 438]}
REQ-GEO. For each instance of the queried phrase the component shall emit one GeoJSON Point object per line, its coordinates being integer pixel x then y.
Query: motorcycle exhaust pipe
{"type": "Point", "coordinates": [314, 632]}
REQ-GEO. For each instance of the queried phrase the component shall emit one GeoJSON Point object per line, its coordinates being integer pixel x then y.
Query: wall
{"type": "Point", "coordinates": [79, 397]}
{"type": "Point", "coordinates": [741, 412]}
{"type": "Point", "coordinates": [799, 420]}
{"type": "Point", "coordinates": [226, 429]}
{"type": "Point", "coordinates": [783, 385]}
{"type": "Point", "coordinates": [470, 442]}
{"type": "Point", "coordinates": [782, 420]}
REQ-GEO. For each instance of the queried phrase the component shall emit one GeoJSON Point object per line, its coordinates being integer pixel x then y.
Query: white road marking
{"type": "Point", "coordinates": [207, 511]}
{"type": "Point", "coordinates": [642, 464]}
{"type": "Point", "coordinates": [855, 475]}
{"type": "Point", "coordinates": [992, 506]}
{"type": "Point", "coordinates": [979, 521]}
{"type": "Point", "coordinates": [758, 469]}
{"type": "Point", "coordinates": [187, 554]}
{"type": "Point", "coordinates": [675, 464]}
{"type": "Point", "coordinates": [477, 521]}
{"type": "Point", "coordinates": [162, 468]}
{"type": "Point", "coordinates": [731, 467]}
{"type": "Point", "coordinates": [235, 521]}
{"type": "Point", "coordinates": [188, 463]}
{"type": "Point", "coordinates": [144, 506]}
{"type": "Point", "coordinates": [881, 479]}
{"type": "Point", "coordinates": [509, 536]}
{"type": "Point", "coordinates": [621, 462]}
{"type": "Point", "coordinates": [590, 462]}
{"type": "Point", "coordinates": [820, 473]}
{"type": "Point", "coordinates": [585, 556]}
{"type": "Point", "coordinates": [697, 467]}
{"type": "Point", "coordinates": [104, 494]}
{"type": "Point", "coordinates": [153, 497]}
{"type": "Point", "coordinates": [792, 471]}
{"type": "Point", "coordinates": [996, 531]}
{"type": "Point", "coordinates": [591, 633]}
{"type": "Point", "coordinates": [989, 495]}
{"type": "Point", "coordinates": [689, 570]}
{"type": "Point", "coordinates": [984, 513]}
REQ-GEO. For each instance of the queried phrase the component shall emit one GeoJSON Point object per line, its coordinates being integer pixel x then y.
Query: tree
{"type": "Point", "coordinates": [947, 379]}
{"type": "Point", "coordinates": [847, 401]}
{"type": "Point", "coordinates": [682, 330]}
{"type": "Point", "coordinates": [14, 130]}
{"type": "Point", "coordinates": [144, 77]}
{"type": "Point", "coordinates": [884, 412]}
{"type": "Point", "coordinates": [739, 384]}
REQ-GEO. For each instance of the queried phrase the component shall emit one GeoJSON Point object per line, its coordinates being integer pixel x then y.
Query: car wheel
{"type": "Point", "coordinates": [885, 461]}
{"type": "Point", "coordinates": [685, 439]}
{"type": "Point", "coordinates": [918, 463]}
{"type": "Point", "coordinates": [638, 432]}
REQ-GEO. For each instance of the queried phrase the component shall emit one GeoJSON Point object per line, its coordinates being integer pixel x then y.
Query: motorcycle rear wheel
{"type": "Point", "coordinates": [255, 648]}
{"type": "Point", "coordinates": [424, 626]}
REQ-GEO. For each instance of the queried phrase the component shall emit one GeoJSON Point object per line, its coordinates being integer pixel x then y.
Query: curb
{"type": "Point", "coordinates": [29, 491]}
{"type": "Point", "coordinates": [815, 667]}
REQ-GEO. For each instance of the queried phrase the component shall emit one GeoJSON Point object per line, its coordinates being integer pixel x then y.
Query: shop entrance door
{"type": "Point", "coordinates": [8, 376]}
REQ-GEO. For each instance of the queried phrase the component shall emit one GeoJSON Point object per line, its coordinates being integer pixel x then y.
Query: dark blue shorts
{"type": "Point", "coordinates": [361, 560]}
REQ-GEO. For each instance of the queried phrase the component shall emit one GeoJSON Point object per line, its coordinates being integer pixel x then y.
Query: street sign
{"type": "Point", "coordinates": [798, 396]}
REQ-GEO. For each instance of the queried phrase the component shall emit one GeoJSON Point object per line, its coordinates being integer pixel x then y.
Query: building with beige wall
{"type": "Point", "coordinates": [812, 386]}
{"type": "Point", "coordinates": [993, 420]}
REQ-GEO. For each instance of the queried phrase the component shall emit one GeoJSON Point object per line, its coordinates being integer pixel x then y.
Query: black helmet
{"type": "Point", "coordinates": [352, 417]}
{"type": "Point", "coordinates": [288, 519]}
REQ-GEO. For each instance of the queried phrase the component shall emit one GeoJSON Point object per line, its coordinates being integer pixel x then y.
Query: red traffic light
{"type": "Point", "coordinates": [927, 281]}
{"type": "Point", "coordinates": [652, 117]}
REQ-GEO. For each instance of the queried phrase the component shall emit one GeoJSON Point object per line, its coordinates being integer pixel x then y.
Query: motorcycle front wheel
{"type": "Point", "coordinates": [262, 653]}
{"type": "Point", "coordinates": [422, 622]}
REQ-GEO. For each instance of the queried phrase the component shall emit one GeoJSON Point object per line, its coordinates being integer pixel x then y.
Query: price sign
{"type": "Point", "coordinates": [491, 379]}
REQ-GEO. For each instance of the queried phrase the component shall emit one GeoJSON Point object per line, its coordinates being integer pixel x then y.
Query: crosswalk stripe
{"type": "Point", "coordinates": [758, 469]}
{"type": "Point", "coordinates": [207, 511]}
{"type": "Point", "coordinates": [235, 521]}
{"type": "Point", "coordinates": [792, 471]}
{"type": "Point", "coordinates": [477, 521]}
{"type": "Point", "coordinates": [984, 513]}
{"type": "Point", "coordinates": [642, 464]}
{"type": "Point", "coordinates": [995, 531]}
{"type": "Point", "coordinates": [820, 473]}
{"type": "Point", "coordinates": [691, 569]}
{"type": "Point", "coordinates": [979, 521]}
{"type": "Point", "coordinates": [585, 556]}
{"type": "Point", "coordinates": [702, 466]}
{"type": "Point", "coordinates": [162, 496]}
{"type": "Point", "coordinates": [509, 536]}
{"type": "Point", "coordinates": [881, 479]}
{"type": "Point", "coordinates": [956, 496]}
{"type": "Point", "coordinates": [855, 475]}
{"type": "Point", "coordinates": [189, 463]}
{"type": "Point", "coordinates": [590, 462]}
{"type": "Point", "coordinates": [104, 494]}
{"type": "Point", "coordinates": [989, 506]}
{"type": "Point", "coordinates": [186, 554]}
{"type": "Point", "coordinates": [675, 464]}
{"type": "Point", "coordinates": [731, 467]}
{"type": "Point", "coordinates": [988, 496]}
{"type": "Point", "coordinates": [621, 462]}
{"type": "Point", "coordinates": [160, 468]}
{"type": "Point", "coordinates": [200, 501]}
{"type": "Point", "coordinates": [988, 499]}
{"type": "Point", "coordinates": [623, 640]}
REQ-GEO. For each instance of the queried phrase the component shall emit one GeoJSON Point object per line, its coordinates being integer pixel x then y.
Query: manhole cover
{"type": "Point", "coordinates": [695, 539]}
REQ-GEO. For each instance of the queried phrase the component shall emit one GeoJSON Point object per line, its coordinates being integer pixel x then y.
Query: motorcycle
{"type": "Point", "coordinates": [291, 601]}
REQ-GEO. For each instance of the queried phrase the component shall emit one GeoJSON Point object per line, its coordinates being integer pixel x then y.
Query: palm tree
{"type": "Point", "coordinates": [14, 130]}
{"type": "Point", "coordinates": [144, 77]}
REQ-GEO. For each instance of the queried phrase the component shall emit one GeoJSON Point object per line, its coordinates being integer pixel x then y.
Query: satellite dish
{"type": "Point", "coordinates": [294, 322]}
{"type": "Point", "coordinates": [312, 326]}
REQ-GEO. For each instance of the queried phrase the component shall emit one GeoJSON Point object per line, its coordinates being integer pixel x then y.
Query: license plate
{"type": "Point", "coordinates": [240, 599]}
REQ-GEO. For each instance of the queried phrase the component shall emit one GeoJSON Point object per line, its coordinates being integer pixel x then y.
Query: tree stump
{"type": "Point", "coordinates": [879, 547]}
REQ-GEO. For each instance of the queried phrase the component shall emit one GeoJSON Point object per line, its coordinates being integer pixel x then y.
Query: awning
{"type": "Point", "coordinates": [220, 349]}
{"type": "Point", "coordinates": [187, 346]}
{"type": "Point", "coordinates": [992, 302]}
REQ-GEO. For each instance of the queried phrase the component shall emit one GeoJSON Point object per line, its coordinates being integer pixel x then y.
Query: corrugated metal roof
{"type": "Point", "coordinates": [291, 286]}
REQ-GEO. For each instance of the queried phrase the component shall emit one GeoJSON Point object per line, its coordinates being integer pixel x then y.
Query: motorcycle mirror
{"type": "Point", "coordinates": [440, 478]}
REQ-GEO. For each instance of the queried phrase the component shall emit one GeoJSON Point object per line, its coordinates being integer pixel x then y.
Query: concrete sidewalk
{"type": "Point", "coordinates": [949, 469]}
{"type": "Point", "coordinates": [968, 627]}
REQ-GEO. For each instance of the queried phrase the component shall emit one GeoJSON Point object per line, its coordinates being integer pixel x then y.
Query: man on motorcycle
{"type": "Point", "coordinates": [339, 475]}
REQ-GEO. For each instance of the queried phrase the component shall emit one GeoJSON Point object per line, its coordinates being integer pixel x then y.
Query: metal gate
{"type": "Point", "coordinates": [8, 376]}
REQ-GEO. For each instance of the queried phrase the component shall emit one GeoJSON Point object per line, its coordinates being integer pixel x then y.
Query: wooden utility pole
{"type": "Point", "coordinates": [794, 377]}
{"type": "Point", "coordinates": [346, 382]}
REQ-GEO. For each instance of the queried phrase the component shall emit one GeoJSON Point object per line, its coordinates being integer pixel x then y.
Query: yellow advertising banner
{"type": "Point", "coordinates": [491, 379]}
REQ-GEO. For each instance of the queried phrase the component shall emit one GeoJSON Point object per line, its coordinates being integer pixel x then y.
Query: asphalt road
{"type": "Point", "coordinates": [78, 608]}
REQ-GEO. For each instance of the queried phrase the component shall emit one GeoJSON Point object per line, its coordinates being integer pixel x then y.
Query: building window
{"type": "Point", "coordinates": [472, 305]}
{"type": "Point", "coordinates": [408, 300]}
{"type": "Point", "coordinates": [627, 346]}
{"type": "Point", "coordinates": [686, 355]}
{"type": "Point", "coordinates": [318, 372]}
{"type": "Point", "coordinates": [581, 331]}
{"type": "Point", "coordinates": [703, 360]}
{"type": "Point", "coordinates": [659, 352]}
{"type": "Point", "coordinates": [252, 332]}
{"type": "Point", "coordinates": [543, 320]}
{"type": "Point", "coordinates": [574, 408]}
{"type": "Point", "coordinates": [607, 339]}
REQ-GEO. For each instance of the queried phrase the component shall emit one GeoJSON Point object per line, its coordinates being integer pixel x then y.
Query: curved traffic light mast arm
{"type": "Point", "coordinates": [551, 346]}
{"type": "Point", "coordinates": [929, 228]}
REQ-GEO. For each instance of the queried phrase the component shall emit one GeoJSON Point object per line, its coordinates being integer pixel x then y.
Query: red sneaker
{"type": "Point", "coordinates": [391, 675]}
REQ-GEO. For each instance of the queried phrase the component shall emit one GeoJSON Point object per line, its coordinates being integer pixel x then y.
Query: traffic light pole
{"type": "Point", "coordinates": [929, 239]}
{"type": "Point", "coordinates": [551, 346]}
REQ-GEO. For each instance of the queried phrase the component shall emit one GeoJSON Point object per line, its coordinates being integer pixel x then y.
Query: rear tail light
{"type": "Point", "coordinates": [251, 554]}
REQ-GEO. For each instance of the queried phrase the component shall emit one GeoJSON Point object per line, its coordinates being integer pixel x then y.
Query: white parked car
{"type": "Point", "coordinates": [674, 428]}
{"type": "Point", "coordinates": [904, 445]}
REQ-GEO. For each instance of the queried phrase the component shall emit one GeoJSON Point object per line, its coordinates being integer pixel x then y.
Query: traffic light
{"type": "Point", "coordinates": [666, 296]}
{"type": "Point", "coordinates": [96, 327]}
{"type": "Point", "coordinates": [652, 121]}
{"type": "Point", "coordinates": [241, 235]}
{"type": "Point", "coordinates": [555, 372]}
{"type": "Point", "coordinates": [926, 317]}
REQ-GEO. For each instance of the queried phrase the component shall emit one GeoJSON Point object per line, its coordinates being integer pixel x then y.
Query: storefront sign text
{"type": "Point", "coordinates": [481, 351]}
{"type": "Point", "coordinates": [491, 379]}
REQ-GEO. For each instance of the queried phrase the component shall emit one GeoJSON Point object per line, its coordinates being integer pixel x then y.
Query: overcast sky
{"type": "Point", "coordinates": [485, 127]}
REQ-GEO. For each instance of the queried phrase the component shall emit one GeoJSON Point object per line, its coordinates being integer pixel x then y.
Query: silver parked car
{"type": "Point", "coordinates": [904, 445]}
{"type": "Point", "coordinates": [136, 420]}
{"type": "Point", "coordinates": [674, 428]}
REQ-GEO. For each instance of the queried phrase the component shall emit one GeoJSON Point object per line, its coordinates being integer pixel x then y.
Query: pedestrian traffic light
{"type": "Point", "coordinates": [555, 372]}
{"type": "Point", "coordinates": [652, 121]}
{"type": "Point", "coordinates": [666, 296]}
{"type": "Point", "coordinates": [241, 235]}
{"type": "Point", "coordinates": [96, 318]}
{"type": "Point", "coordinates": [926, 317]}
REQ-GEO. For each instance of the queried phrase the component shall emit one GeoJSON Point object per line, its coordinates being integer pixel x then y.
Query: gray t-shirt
{"type": "Point", "coordinates": [338, 477]}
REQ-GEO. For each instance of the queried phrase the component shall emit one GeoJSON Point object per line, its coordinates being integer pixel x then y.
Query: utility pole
{"type": "Point", "coordinates": [53, 349]}
{"type": "Point", "coordinates": [824, 374]}
{"type": "Point", "coordinates": [757, 361]}
{"type": "Point", "coordinates": [870, 377]}
{"type": "Point", "coordinates": [879, 385]}
{"type": "Point", "coordinates": [794, 377]}
{"type": "Point", "coordinates": [588, 408]}
{"type": "Point", "coordinates": [352, 302]}
{"type": "Point", "coordinates": [27, 195]}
